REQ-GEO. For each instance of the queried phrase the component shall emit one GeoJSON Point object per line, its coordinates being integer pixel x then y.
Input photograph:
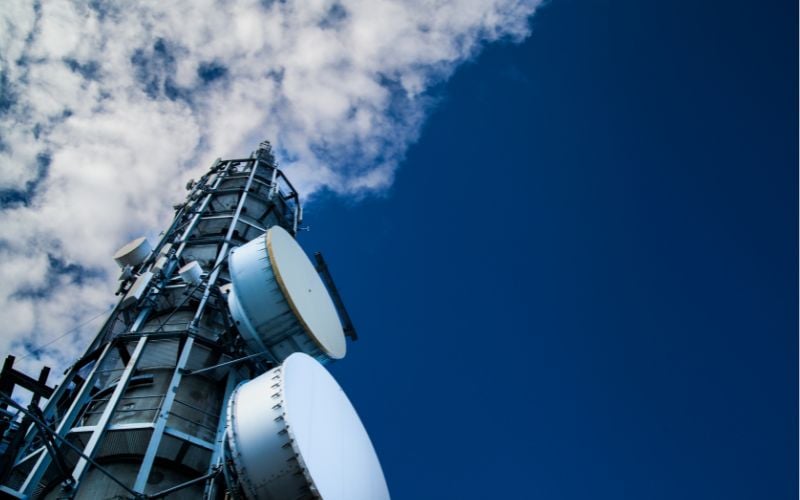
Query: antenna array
{"type": "Point", "coordinates": [155, 406]}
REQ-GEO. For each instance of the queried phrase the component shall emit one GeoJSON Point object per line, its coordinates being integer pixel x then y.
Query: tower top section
{"type": "Point", "coordinates": [264, 153]}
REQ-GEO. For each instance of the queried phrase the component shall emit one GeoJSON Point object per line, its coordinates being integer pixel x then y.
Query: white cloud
{"type": "Point", "coordinates": [106, 110]}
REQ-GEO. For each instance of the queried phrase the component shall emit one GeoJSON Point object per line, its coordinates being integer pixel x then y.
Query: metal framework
{"type": "Point", "coordinates": [141, 414]}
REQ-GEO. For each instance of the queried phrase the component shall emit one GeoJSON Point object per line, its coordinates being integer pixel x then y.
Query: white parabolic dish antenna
{"type": "Point", "coordinates": [279, 302]}
{"type": "Point", "coordinates": [292, 433]}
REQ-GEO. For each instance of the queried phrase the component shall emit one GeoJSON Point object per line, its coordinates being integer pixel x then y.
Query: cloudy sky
{"type": "Point", "coordinates": [106, 111]}
{"type": "Point", "coordinates": [567, 234]}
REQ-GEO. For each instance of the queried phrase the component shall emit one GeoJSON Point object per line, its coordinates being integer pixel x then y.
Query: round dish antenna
{"type": "Point", "coordinates": [279, 301]}
{"type": "Point", "coordinates": [292, 433]}
{"type": "Point", "coordinates": [133, 253]}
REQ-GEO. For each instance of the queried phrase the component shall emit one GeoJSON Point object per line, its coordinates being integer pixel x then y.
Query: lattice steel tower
{"type": "Point", "coordinates": [206, 379]}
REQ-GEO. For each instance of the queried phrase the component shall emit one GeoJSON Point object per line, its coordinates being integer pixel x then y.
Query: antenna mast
{"type": "Point", "coordinates": [220, 327]}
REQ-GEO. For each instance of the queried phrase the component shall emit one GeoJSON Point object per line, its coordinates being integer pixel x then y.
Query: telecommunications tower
{"type": "Point", "coordinates": [206, 381]}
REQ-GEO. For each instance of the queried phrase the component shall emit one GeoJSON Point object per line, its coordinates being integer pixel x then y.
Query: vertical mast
{"type": "Point", "coordinates": [143, 410]}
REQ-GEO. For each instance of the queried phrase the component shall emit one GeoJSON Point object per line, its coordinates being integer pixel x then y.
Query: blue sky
{"type": "Point", "coordinates": [570, 251]}
{"type": "Point", "coordinates": [583, 283]}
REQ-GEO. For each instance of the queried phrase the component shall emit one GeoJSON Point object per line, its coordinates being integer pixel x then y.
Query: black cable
{"type": "Point", "coordinates": [66, 442]}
